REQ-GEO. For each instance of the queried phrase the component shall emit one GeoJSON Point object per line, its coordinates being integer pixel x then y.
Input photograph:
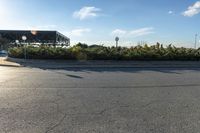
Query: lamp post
{"type": "Point", "coordinates": [117, 40]}
{"type": "Point", "coordinates": [24, 38]}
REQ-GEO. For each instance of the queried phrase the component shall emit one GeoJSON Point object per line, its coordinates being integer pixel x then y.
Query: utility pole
{"type": "Point", "coordinates": [24, 38]}
{"type": "Point", "coordinates": [195, 45]}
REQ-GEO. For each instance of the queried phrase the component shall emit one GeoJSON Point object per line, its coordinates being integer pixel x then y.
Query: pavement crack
{"type": "Point", "coordinates": [59, 111]}
{"type": "Point", "coordinates": [57, 124]}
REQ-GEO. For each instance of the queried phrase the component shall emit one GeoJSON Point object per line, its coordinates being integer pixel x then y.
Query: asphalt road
{"type": "Point", "coordinates": [99, 100]}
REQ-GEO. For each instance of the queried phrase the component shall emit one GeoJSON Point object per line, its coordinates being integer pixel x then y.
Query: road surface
{"type": "Point", "coordinates": [99, 100]}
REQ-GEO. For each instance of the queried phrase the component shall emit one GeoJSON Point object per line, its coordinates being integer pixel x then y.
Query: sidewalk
{"type": "Point", "coordinates": [4, 62]}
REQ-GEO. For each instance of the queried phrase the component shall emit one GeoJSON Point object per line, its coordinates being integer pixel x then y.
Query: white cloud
{"type": "Point", "coordinates": [142, 31]}
{"type": "Point", "coordinates": [134, 33]}
{"type": "Point", "coordinates": [79, 32]}
{"type": "Point", "coordinates": [192, 10]}
{"type": "Point", "coordinates": [86, 12]}
{"type": "Point", "coordinates": [119, 32]}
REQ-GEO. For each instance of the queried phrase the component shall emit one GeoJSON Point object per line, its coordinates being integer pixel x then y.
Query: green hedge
{"type": "Point", "coordinates": [95, 52]}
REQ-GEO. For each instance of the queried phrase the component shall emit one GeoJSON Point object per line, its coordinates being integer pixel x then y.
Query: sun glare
{"type": "Point", "coordinates": [3, 9]}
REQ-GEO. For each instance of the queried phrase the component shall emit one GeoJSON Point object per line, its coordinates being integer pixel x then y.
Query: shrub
{"type": "Point", "coordinates": [97, 52]}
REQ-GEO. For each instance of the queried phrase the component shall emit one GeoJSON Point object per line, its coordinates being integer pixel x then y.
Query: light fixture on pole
{"type": "Point", "coordinates": [117, 40]}
{"type": "Point", "coordinates": [17, 42]}
{"type": "Point", "coordinates": [24, 38]}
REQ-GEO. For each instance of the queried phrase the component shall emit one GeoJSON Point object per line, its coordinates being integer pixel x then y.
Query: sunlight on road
{"type": "Point", "coordinates": [2, 70]}
{"type": "Point", "coordinates": [1, 60]}
{"type": "Point", "coordinates": [5, 74]}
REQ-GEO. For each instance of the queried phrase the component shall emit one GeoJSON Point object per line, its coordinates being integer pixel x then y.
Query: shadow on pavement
{"type": "Point", "coordinates": [74, 76]}
{"type": "Point", "coordinates": [130, 70]}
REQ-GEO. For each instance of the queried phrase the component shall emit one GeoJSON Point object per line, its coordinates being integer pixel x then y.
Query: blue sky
{"type": "Point", "coordinates": [99, 21]}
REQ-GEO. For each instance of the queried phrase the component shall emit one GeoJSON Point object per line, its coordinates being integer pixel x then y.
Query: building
{"type": "Point", "coordinates": [34, 37]}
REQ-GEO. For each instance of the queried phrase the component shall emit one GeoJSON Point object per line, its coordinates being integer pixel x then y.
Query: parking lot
{"type": "Point", "coordinates": [105, 100]}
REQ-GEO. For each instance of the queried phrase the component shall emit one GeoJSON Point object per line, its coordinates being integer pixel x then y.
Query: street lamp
{"type": "Point", "coordinates": [17, 42]}
{"type": "Point", "coordinates": [117, 40]}
{"type": "Point", "coordinates": [24, 38]}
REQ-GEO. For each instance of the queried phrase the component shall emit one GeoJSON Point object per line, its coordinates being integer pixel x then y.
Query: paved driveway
{"type": "Point", "coordinates": [99, 100]}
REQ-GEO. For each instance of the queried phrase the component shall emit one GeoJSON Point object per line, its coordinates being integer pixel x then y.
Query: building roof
{"type": "Point", "coordinates": [34, 36]}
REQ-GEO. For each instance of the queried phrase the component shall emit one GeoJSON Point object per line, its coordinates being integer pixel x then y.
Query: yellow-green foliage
{"type": "Point", "coordinates": [97, 52]}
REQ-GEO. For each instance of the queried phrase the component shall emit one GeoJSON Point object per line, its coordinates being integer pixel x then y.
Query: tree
{"type": "Point", "coordinates": [82, 45]}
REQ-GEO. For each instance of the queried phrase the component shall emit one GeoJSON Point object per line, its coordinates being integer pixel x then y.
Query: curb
{"type": "Point", "coordinates": [15, 60]}
{"type": "Point", "coordinates": [62, 64]}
